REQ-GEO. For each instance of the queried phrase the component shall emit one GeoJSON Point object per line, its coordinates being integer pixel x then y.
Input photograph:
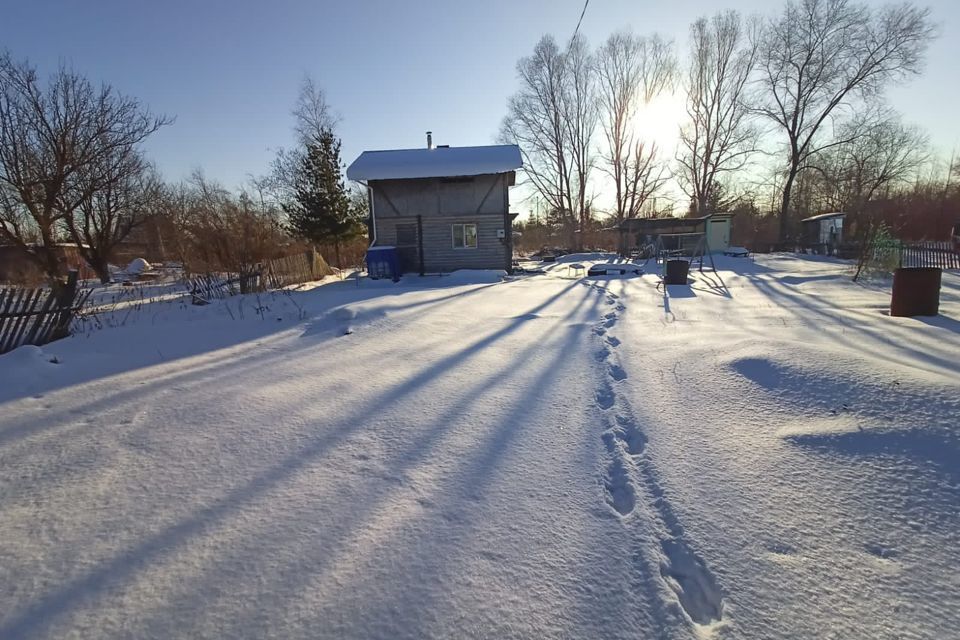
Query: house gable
{"type": "Point", "coordinates": [468, 195]}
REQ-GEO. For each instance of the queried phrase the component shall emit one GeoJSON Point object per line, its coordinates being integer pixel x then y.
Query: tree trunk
{"type": "Point", "coordinates": [336, 252]}
{"type": "Point", "coordinates": [785, 207]}
{"type": "Point", "coordinates": [46, 257]}
{"type": "Point", "coordinates": [101, 267]}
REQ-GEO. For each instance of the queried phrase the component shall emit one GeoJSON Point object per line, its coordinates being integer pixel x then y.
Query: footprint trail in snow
{"type": "Point", "coordinates": [631, 479]}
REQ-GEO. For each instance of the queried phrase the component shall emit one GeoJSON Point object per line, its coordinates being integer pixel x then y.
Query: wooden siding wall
{"type": "Point", "coordinates": [433, 196]}
{"type": "Point", "coordinates": [481, 200]}
{"type": "Point", "coordinates": [439, 256]}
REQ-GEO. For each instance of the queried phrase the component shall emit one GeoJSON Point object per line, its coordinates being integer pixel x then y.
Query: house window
{"type": "Point", "coordinates": [464, 236]}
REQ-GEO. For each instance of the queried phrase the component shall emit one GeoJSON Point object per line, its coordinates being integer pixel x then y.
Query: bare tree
{"type": "Point", "coordinates": [312, 113]}
{"type": "Point", "coordinates": [819, 58]}
{"type": "Point", "coordinates": [553, 118]}
{"type": "Point", "coordinates": [882, 153]}
{"type": "Point", "coordinates": [126, 193]}
{"type": "Point", "coordinates": [719, 136]}
{"type": "Point", "coordinates": [221, 231]}
{"type": "Point", "coordinates": [631, 70]}
{"type": "Point", "coordinates": [535, 122]}
{"type": "Point", "coordinates": [55, 145]}
{"type": "Point", "coordinates": [580, 118]}
{"type": "Point", "coordinates": [646, 176]}
{"type": "Point", "coordinates": [313, 116]}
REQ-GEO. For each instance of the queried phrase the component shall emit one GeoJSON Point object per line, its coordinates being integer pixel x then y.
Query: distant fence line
{"type": "Point", "coordinates": [38, 316]}
{"type": "Point", "coordinates": [929, 254]}
{"type": "Point", "coordinates": [296, 269]}
{"type": "Point", "coordinates": [941, 255]}
{"type": "Point", "coordinates": [273, 274]}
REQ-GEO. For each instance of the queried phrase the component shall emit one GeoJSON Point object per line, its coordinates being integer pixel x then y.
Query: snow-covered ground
{"type": "Point", "coordinates": [761, 454]}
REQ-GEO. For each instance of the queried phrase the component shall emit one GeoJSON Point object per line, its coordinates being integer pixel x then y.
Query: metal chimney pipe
{"type": "Point", "coordinates": [429, 139]}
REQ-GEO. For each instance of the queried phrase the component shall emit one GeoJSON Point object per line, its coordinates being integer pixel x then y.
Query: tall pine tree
{"type": "Point", "coordinates": [320, 211]}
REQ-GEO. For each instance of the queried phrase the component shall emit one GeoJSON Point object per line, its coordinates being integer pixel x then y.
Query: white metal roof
{"type": "Point", "coordinates": [439, 162]}
{"type": "Point", "coordinates": [825, 216]}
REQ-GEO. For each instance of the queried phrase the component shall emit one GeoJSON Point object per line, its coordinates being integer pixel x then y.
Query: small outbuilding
{"type": "Point", "coordinates": [718, 231]}
{"type": "Point", "coordinates": [822, 233]}
{"type": "Point", "coordinates": [714, 227]}
{"type": "Point", "coordinates": [443, 208]}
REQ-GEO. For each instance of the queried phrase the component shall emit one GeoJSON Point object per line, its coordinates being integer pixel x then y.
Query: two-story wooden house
{"type": "Point", "coordinates": [443, 208]}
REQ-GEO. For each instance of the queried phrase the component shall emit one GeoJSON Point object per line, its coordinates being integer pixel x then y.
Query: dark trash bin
{"type": "Point", "coordinates": [677, 271]}
{"type": "Point", "coordinates": [916, 292]}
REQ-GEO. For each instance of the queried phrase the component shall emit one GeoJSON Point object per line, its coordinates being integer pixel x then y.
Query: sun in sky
{"type": "Point", "coordinates": [659, 122]}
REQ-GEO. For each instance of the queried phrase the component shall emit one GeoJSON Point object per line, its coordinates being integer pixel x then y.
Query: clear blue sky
{"type": "Point", "coordinates": [230, 70]}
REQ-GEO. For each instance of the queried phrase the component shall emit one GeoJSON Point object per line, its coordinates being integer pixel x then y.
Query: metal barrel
{"type": "Point", "coordinates": [916, 292]}
{"type": "Point", "coordinates": [677, 271]}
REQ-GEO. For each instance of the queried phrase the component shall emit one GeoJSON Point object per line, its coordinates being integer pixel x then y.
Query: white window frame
{"type": "Point", "coordinates": [463, 233]}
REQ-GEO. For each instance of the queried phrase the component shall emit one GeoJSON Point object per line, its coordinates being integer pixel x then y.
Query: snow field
{"type": "Point", "coordinates": [760, 454]}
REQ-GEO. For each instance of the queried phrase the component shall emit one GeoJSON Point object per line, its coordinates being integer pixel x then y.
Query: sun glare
{"type": "Point", "coordinates": [659, 122]}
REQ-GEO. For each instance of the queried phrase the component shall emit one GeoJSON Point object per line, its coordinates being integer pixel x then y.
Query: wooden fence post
{"type": "Point", "coordinates": [64, 302]}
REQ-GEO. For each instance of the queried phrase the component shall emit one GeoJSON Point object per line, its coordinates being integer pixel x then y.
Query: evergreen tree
{"type": "Point", "coordinates": [320, 211]}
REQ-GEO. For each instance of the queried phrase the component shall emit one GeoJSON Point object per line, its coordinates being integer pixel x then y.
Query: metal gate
{"type": "Point", "coordinates": [408, 248]}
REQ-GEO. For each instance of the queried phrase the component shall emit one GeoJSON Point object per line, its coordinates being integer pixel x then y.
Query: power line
{"type": "Point", "coordinates": [577, 30]}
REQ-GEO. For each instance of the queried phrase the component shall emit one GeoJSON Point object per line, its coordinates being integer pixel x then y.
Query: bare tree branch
{"type": "Point", "coordinates": [553, 118]}
{"type": "Point", "coordinates": [719, 136]}
{"type": "Point", "coordinates": [877, 152]}
{"type": "Point", "coordinates": [312, 113]}
{"type": "Point", "coordinates": [823, 57]}
{"type": "Point", "coordinates": [127, 193]}
{"type": "Point", "coordinates": [631, 70]}
{"type": "Point", "coordinates": [59, 145]}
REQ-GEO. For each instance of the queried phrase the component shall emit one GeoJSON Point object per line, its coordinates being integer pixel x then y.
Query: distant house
{"type": "Point", "coordinates": [17, 264]}
{"type": "Point", "coordinates": [443, 208]}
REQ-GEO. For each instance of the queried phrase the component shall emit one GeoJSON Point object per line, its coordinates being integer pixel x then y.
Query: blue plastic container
{"type": "Point", "coordinates": [383, 262]}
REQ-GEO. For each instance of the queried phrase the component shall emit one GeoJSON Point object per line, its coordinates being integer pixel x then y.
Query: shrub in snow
{"type": "Point", "coordinates": [880, 255]}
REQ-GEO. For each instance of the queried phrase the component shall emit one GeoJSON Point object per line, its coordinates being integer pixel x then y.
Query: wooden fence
{"type": "Point", "coordinates": [212, 286]}
{"type": "Point", "coordinates": [37, 316]}
{"type": "Point", "coordinates": [273, 274]}
{"type": "Point", "coordinates": [295, 269]}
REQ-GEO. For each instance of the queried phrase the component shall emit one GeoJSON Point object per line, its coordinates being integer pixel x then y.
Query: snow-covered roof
{"type": "Point", "coordinates": [650, 225]}
{"type": "Point", "coordinates": [825, 216]}
{"type": "Point", "coordinates": [439, 162]}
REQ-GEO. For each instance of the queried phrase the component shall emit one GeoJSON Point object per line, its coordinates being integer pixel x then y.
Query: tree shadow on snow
{"type": "Point", "coordinates": [452, 509]}
{"type": "Point", "coordinates": [797, 280]}
{"type": "Point", "coordinates": [941, 321]}
{"type": "Point", "coordinates": [61, 600]}
{"type": "Point", "coordinates": [203, 331]}
{"type": "Point", "coordinates": [822, 311]}
{"type": "Point", "coordinates": [950, 287]}
{"type": "Point", "coordinates": [924, 448]}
